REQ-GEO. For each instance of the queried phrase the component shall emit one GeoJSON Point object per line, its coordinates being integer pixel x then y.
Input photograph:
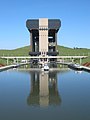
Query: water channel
{"type": "Point", "coordinates": [37, 95]}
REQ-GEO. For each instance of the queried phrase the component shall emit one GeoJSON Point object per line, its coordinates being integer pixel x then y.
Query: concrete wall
{"type": "Point", "coordinates": [43, 35]}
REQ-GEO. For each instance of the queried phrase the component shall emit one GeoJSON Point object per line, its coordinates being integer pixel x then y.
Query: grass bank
{"type": "Point", "coordinates": [63, 51]}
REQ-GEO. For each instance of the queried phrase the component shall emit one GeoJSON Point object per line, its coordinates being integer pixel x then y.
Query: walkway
{"type": "Point", "coordinates": [28, 57]}
{"type": "Point", "coordinates": [12, 66]}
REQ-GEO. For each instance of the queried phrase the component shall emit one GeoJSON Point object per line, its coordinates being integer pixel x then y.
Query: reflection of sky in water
{"type": "Point", "coordinates": [74, 89]}
{"type": "Point", "coordinates": [66, 95]}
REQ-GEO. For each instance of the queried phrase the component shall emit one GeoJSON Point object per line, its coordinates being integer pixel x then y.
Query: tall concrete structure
{"type": "Point", "coordinates": [43, 36]}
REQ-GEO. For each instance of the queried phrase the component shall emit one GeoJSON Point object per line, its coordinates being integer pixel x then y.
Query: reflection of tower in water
{"type": "Point", "coordinates": [43, 89]}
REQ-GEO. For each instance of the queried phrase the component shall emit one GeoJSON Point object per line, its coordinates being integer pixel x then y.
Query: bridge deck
{"type": "Point", "coordinates": [27, 57]}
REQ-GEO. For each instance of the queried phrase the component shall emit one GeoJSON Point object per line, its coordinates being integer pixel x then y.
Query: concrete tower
{"type": "Point", "coordinates": [43, 36]}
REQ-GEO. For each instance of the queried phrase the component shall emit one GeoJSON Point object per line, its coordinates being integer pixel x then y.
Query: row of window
{"type": "Point", "coordinates": [43, 28]}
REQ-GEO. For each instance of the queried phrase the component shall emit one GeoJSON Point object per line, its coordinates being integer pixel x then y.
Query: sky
{"type": "Point", "coordinates": [74, 16]}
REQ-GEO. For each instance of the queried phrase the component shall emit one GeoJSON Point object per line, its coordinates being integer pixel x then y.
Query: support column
{"type": "Point", "coordinates": [7, 61]}
{"type": "Point", "coordinates": [43, 35]}
{"type": "Point", "coordinates": [17, 60]}
{"type": "Point", "coordinates": [80, 61]}
{"type": "Point", "coordinates": [31, 47]}
{"type": "Point", "coordinates": [72, 60]}
{"type": "Point", "coordinates": [56, 41]}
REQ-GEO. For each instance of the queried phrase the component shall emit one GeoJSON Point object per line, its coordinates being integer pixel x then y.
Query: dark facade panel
{"type": "Point", "coordinates": [34, 53]}
{"type": "Point", "coordinates": [32, 24]}
{"type": "Point", "coordinates": [52, 24]}
{"type": "Point", "coordinates": [52, 53]}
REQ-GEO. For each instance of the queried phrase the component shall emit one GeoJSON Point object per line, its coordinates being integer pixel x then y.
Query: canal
{"type": "Point", "coordinates": [36, 95]}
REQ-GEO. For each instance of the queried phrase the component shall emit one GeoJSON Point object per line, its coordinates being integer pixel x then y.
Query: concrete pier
{"type": "Point", "coordinates": [7, 67]}
{"type": "Point", "coordinates": [12, 66]}
{"type": "Point", "coordinates": [79, 67]}
{"type": "Point", "coordinates": [87, 69]}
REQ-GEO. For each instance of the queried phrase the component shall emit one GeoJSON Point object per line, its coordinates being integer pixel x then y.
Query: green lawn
{"type": "Point", "coordinates": [63, 51]}
{"type": "Point", "coordinates": [16, 52]}
{"type": "Point", "coordinates": [73, 52]}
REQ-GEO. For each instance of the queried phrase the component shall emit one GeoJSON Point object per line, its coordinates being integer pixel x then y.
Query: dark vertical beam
{"type": "Point", "coordinates": [56, 41]}
{"type": "Point", "coordinates": [31, 47]}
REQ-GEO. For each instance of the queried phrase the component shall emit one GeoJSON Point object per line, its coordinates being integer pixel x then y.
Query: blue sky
{"type": "Point", "coordinates": [74, 16]}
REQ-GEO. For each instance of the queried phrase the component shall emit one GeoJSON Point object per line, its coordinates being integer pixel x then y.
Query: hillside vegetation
{"type": "Point", "coordinates": [16, 52]}
{"type": "Point", "coordinates": [73, 52]}
{"type": "Point", "coordinates": [63, 51]}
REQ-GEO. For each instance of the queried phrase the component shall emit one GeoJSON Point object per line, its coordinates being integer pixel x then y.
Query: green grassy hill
{"type": "Point", "coordinates": [62, 51]}
{"type": "Point", "coordinates": [73, 52]}
{"type": "Point", "coordinates": [16, 52]}
{"type": "Point", "coordinates": [65, 51]}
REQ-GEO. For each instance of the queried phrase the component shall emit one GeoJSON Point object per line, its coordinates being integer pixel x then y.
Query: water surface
{"type": "Point", "coordinates": [35, 95]}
